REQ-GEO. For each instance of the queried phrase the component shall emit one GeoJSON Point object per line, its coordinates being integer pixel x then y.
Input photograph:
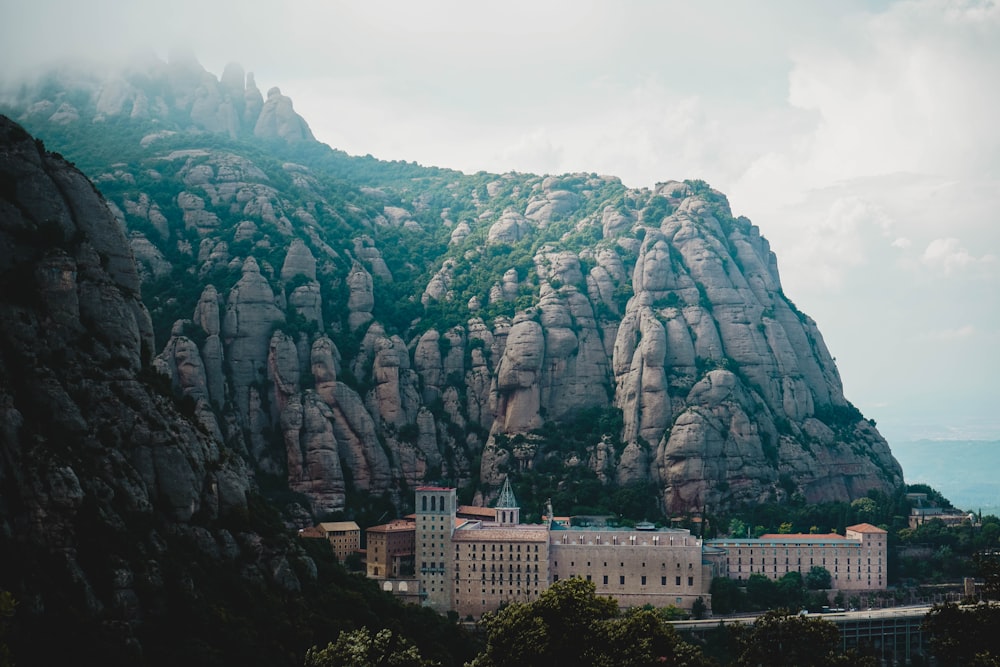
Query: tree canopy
{"type": "Point", "coordinates": [964, 635]}
{"type": "Point", "coordinates": [570, 625]}
{"type": "Point", "coordinates": [780, 638]}
{"type": "Point", "coordinates": [360, 648]}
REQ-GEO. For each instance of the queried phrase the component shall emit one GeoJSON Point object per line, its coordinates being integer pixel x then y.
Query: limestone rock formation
{"type": "Point", "coordinates": [455, 325]}
{"type": "Point", "coordinates": [278, 120]}
{"type": "Point", "coordinates": [98, 469]}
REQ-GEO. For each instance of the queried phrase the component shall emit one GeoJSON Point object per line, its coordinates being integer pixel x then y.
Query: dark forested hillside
{"type": "Point", "coordinates": [129, 532]}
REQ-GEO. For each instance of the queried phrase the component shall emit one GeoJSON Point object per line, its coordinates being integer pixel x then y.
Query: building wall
{"type": "Point", "coordinates": [344, 542]}
{"type": "Point", "coordinates": [389, 546]}
{"type": "Point", "coordinates": [855, 563]}
{"type": "Point", "coordinates": [435, 522]}
{"type": "Point", "coordinates": [873, 566]}
{"type": "Point", "coordinates": [495, 566]}
{"type": "Point", "coordinates": [635, 567]}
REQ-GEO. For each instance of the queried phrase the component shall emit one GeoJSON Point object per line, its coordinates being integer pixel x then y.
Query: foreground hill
{"type": "Point", "coordinates": [353, 327]}
{"type": "Point", "coordinates": [129, 534]}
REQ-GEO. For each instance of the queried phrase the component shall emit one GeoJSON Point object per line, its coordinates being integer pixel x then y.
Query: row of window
{"type": "Point", "coordinates": [493, 568]}
{"type": "Point", "coordinates": [493, 547]}
{"type": "Point", "coordinates": [642, 580]}
{"type": "Point", "coordinates": [516, 557]}
{"type": "Point", "coordinates": [572, 563]}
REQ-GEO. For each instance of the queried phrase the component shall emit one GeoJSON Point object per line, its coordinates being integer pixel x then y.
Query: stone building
{"type": "Point", "coordinates": [660, 567]}
{"type": "Point", "coordinates": [435, 524]}
{"type": "Point", "coordinates": [856, 561]}
{"type": "Point", "coordinates": [501, 561]}
{"type": "Point", "coordinates": [390, 549]}
{"type": "Point", "coordinates": [477, 564]}
{"type": "Point", "coordinates": [344, 537]}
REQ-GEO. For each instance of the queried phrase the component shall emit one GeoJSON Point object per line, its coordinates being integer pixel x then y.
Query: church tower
{"type": "Point", "coordinates": [435, 524]}
{"type": "Point", "coordinates": [508, 512]}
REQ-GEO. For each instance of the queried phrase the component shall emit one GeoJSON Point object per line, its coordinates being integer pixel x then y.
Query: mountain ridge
{"type": "Point", "coordinates": [426, 324]}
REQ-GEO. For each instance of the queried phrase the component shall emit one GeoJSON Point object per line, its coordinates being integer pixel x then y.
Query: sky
{"type": "Point", "coordinates": [863, 138]}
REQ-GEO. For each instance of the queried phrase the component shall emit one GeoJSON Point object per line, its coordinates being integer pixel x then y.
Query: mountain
{"type": "Point", "coordinates": [129, 533]}
{"type": "Point", "coordinates": [353, 328]}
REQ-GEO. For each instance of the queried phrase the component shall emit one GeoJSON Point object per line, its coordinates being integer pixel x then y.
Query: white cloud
{"type": "Point", "coordinates": [902, 242]}
{"type": "Point", "coordinates": [949, 256]}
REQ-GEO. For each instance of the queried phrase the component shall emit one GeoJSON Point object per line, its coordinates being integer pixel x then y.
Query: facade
{"type": "Point", "coordinates": [856, 561]}
{"type": "Point", "coordinates": [495, 562]}
{"type": "Point", "coordinates": [344, 537]}
{"type": "Point", "coordinates": [434, 562]}
{"type": "Point", "coordinates": [485, 560]}
{"type": "Point", "coordinates": [390, 549]}
{"type": "Point", "coordinates": [636, 567]}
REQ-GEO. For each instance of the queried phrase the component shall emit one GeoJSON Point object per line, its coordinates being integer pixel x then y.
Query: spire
{"type": "Point", "coordinates": [506, 500]}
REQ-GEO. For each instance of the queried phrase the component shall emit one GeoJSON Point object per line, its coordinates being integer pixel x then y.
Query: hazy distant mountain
{"type": "Point", "coordinates": [358, 327]}
{"type": "Point", "coordinates": [964, 471]}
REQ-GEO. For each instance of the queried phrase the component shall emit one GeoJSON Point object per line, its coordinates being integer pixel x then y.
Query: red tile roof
{"type": "Point", "coordinates": [866, 528]}
{"type": "Point", "coordinates": [800, 536]}
{"type": "Point", "coordinates": [393, 526]}
{"type": "Point", "coordinates": [472, 510]}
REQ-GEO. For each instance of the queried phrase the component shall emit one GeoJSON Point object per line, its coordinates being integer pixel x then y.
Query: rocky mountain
{"type": "Point", "coordinates": [129, 530]}
{"type": "Point", "coordinates": [354, 327]}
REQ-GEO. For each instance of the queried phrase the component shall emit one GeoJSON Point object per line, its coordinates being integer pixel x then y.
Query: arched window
{"type": "Point", "coordinates": [434, 503]}
{"type": "Point", "coordinates": [424, 504]}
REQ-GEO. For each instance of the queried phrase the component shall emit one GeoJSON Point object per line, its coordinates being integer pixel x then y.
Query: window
{"type": "Point", "coordinates": [677, 581]}
{"type": "Point", "coordinates": [643, 580]}
{"type": "Point", "coordinates": [605, 580]}
{"type": "Point", "coordinates": [690, 581]}
{"type": "Point", "coordinates": [663, 581]}
{"type": "Point", "coordinates": [621, 580]}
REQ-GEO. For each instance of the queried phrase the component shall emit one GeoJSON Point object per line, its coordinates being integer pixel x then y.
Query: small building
{"type": "Point", "coordinates": [344, 537]}
{"type": "Point", "coordinates": [949, 517]}
{"type": "Point", "coordinates": [390, 550]}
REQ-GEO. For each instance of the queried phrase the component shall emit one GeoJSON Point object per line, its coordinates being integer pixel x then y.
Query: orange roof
{"type": "Point", "coordinates": [393, 526]}
{"type": "Point", "coordinates": [521, 533]}
{"type": "Point", "coordinates": [800, 536]}
{"type": "Point", "coordinates": [435, 488]}
{"type": "Point", "coordinates": [313, 531]}
{"type": "Point", "coordinates": [866, 528]}
{"type": "Point", "coordinates": [490, 512]}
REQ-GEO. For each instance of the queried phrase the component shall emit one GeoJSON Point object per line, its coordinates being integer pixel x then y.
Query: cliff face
{"type": "Point", "coordinates": [360, 327]}
{"type": "Point", "coordinates": [102, 475]}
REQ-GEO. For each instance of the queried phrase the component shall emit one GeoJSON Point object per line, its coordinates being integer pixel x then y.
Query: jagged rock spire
{"type": "Point", "coordinates": [506, 500]}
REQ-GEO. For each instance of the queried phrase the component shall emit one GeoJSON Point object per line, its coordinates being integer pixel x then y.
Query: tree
{"type": "Point", "coordinates": [818, 578]}
{"type": "Point", "coordinates": [964, 636]}
{"type": "Point", "coordinates": [8, 605]}
{"type": "Point", "coordinates": [864, 508]}
{"type": "Point", "coordinates": [737, 528]}
{"type": "Point", "coordinates": [987, 565]}
{"type": "Point", "coordinates": [570, 625]}
{"type": "Point", "coordinates": [699, 608]}
{"type": "Point", "coordinates": [790, 589]}
{"type": "Point", "coordinates": [726, 596]}
{"type": "Point", "coordinates": [780, 638]}
{"type": "Point", "coordinates": [359, 648]}
{"type": "Point", "coordinates": [762, 592]}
